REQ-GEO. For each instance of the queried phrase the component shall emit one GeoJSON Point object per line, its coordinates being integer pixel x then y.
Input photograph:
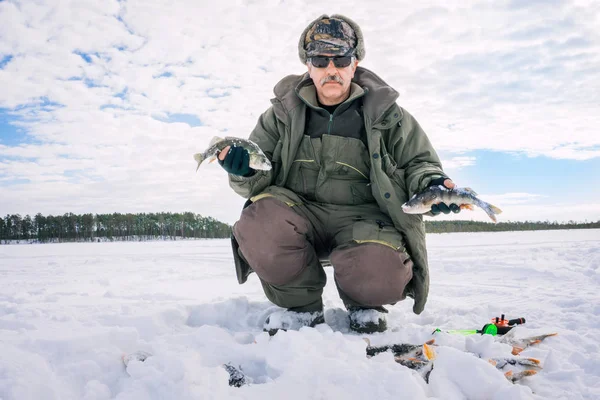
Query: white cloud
{"type": "Point", "coordinates": [458, 162]}
{"type": "Point", "coordinates": [483, 76]}
{"type": "Point", "coordinates": [513, 198]}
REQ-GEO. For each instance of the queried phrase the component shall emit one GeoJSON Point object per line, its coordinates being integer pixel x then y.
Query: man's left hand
{"type": "Point", "coordinates": [443, 207]}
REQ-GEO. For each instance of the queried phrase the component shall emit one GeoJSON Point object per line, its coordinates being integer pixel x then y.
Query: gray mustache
{"type": "Point", "coordinates": [332, 78]}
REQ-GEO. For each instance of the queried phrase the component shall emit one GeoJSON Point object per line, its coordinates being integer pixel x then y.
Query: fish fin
{"type": "Point", "coordinates": [428, 352]}
{"type": "Point", "coordinates": [519, 375]}
{"type": "Point", "coordinates": [212, 159]}
{"type": "Point", "coordinates": [469, 190]}
{"type": "Point", "coordinates": [199, 158]}
{"type": "Point", "coordinates": [527, 372]}
{"type": "Point", "coordinates": [495, 209]}
{"type": "Point", "coordinates": [467, 207]}
{"type": "Point", "coordinates": [547, 335]}
{"type": "Point", "coordinates": [215, 140]}
{"type": "Point", "coordinates": [533, 362]}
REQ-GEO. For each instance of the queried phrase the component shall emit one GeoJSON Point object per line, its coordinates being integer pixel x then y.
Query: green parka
{"type": "Point", "coordinates": [403, 162]}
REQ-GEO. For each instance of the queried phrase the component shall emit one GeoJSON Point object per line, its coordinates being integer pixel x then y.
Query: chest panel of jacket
{"type": "Point", "coordinates": [346, 121]}
{"type": "Point", "coordinates": [332, 169]}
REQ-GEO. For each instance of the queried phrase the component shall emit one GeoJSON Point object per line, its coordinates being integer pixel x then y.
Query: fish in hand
{"type": "Point", "coordinates": [465, 197]}
{"type": "Point", "coordinates": [258, 159]}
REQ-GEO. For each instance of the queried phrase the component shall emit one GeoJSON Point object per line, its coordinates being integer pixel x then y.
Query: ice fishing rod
{"type": "Point", "coordinates": [498, 326]}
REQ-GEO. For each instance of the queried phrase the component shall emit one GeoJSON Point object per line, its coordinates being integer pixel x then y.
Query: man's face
{"type": "Point", "coordinates": [332, 83]}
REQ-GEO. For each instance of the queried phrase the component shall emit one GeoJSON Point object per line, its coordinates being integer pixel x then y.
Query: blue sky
{"type": "Point", "coordinates": [104, 104]}
{"type": "Point", "coordinates": [188, 119]}
{"type": "Point", "coordinates": [563, 180]}
{"type": "Point", "coordinates": [10, 133]}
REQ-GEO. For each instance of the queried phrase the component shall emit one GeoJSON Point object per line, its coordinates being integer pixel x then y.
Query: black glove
{"type": "Point", "coordinates": [237, 162]}
{"type": "Point", "coordinates": [442, 207]}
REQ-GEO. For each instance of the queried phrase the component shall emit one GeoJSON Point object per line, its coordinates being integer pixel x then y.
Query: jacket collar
{"type": "Point", "coordinates": [379, 96]}
{"type": "Point", "coordinates": [308, 93]}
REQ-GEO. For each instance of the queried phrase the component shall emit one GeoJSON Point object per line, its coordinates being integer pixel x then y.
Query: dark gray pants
{"type": "Point", "coordinates": [284, 246]}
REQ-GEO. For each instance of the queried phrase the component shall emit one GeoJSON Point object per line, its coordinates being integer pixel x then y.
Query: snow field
{"type": "Point", "coordinates": [69, 312]}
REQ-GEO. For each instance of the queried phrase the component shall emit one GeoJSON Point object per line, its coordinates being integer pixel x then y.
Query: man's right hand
{"type": "Point", "coordinates": [236, 161]}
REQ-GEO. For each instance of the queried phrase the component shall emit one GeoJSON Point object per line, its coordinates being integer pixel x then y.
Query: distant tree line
{"type": "Point", "coordinates": [476, 226]}
{"type": "Point", "coordinates": [89, 227]}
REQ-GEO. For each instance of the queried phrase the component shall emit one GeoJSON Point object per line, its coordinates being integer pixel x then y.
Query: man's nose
{"type": "Point", "coordinates": [330, 67]}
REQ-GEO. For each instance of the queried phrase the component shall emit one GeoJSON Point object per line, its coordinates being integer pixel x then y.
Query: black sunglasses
{"type": "Point", "coordinates": [323, 61]}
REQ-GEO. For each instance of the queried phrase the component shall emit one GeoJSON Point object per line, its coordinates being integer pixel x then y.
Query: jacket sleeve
{"type": "Point", "coordinates": [265, 135]}
{"type": "Point", "coordinates": [415, 154]}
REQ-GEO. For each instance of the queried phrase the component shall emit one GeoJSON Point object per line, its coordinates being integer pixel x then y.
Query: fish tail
{"type": "Point", "coordinates": [199, 157]}
{"type": "Point", "coordinates": [490, 210]}
{"type": "Point", "coordinates": [495, 209]}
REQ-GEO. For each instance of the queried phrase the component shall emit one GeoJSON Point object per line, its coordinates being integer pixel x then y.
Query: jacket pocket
{"type": "Point", "coordinates": [308, 175]}
{"type": "Point", "coordinates": [279, 193]}
{"type": "Point", "coordinates": [361, 193]}
{"type": "Point", "coordinates": [377, 231]}
{"type": "Point", "coordinates": [396, 175]}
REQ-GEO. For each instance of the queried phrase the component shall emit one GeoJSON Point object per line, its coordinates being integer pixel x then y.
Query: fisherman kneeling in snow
{"type": "Point", "coordinates": [345, 158]}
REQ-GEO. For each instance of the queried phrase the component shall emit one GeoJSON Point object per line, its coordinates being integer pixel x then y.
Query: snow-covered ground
{"type": "Point", "coordinates": [69, 312]}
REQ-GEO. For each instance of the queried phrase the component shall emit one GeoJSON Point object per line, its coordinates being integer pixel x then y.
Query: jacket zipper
{"type": "Point", "coordinates": [330, 124]}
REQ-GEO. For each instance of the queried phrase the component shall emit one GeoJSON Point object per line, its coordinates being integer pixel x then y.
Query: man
{"type": "Point", "coordinates": [345, 158]}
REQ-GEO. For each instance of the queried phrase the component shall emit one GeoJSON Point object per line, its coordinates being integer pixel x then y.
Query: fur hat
{"type": "Point", "coordinates": [335, 34]}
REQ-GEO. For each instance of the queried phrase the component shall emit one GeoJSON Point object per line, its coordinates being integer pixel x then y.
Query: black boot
{"type": "Point", "coordinates": [367, 320]}
{"type": "Point", "coordinates": [294, 320]}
